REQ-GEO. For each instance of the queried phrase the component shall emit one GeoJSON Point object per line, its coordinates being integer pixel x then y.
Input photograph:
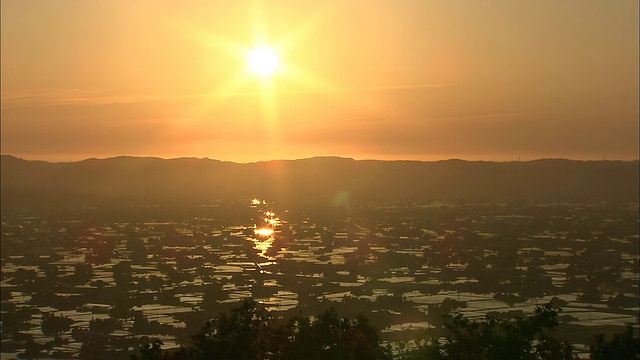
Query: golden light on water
{"type": "Point", "coordinates": [266, 232]}
{"type": "Point", "coordinates": [264, 240]}
{"type": "Point", "coordinates": [263, 245]}
{"type": "Point", "coordinates": [264, 228]}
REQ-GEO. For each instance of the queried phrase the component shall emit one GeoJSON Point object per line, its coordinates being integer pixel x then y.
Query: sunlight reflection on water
{"type": "Point", "coordinates": [263, 245]}
{"type": "Point", "coordinates": [265, 230]}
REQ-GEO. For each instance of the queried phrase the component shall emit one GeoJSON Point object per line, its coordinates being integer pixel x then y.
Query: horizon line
{"type": "Point", "coordinates": [320, 157]}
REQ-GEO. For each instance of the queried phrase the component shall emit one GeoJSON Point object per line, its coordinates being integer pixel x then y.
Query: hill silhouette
{"type": "Point", "coordinates": [322, 180]}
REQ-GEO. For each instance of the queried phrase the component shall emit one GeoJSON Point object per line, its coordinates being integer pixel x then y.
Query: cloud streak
{"type": "Point", "coordinates": [69, 97]}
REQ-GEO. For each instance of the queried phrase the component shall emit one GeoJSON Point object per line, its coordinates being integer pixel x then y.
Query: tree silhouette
{"type": "Point", "coordinates": [493, 339]}
{"type": "Point", "coordinates": [622, 346]}
{"type": "Point", "coordinates": [332, 337]}
{"type": "Point", "coordinates": [241, 335]}
{"type": "Point", "coordinates": [249, 333]}
{"type": "Point", "coordinates": [55, 325]}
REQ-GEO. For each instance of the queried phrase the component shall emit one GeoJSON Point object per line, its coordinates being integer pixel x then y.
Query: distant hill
{"type": "Point", "coordinates": [132, 180]}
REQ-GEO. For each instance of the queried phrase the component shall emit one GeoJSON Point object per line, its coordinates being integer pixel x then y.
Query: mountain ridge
{"type": "Point", "coordinates": [150, 180]}
{"type": "Point", "coordinates": [319, 157]}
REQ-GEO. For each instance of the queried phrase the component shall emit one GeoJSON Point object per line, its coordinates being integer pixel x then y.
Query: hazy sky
{"type": "Point", "coordinates": [401, 79]}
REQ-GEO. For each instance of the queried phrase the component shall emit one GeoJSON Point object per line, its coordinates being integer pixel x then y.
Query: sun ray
{"type": "Point", "coordinates": [271, 89]}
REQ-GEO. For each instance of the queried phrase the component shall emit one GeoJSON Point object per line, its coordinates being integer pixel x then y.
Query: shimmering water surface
{"type": "Point", "coordinates": [394, 264]}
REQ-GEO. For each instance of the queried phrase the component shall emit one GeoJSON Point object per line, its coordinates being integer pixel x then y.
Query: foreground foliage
{"type": "Point", "coordinates": [247, 334]}
{"type": "Point", "coordinates": [622, 346]}
{"type": "Point", "coordinates": [250, 333]}
{"type": "Point", "coordinates": [508, 339]}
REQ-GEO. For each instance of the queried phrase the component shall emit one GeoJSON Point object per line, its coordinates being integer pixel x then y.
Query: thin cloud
{"type": "Point", "coordinates": [503, 115]}
{"type": "Point", "coordinates": [370, 88]}
{"type": "Point", "coordinates": [59, 96]}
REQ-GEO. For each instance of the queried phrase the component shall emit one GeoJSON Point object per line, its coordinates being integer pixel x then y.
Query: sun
{"type": "Point", "coordinates": [263, 61]}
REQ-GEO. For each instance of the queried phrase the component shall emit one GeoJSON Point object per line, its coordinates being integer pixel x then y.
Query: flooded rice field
{"type": "Point", "coordinates": [93, 283]}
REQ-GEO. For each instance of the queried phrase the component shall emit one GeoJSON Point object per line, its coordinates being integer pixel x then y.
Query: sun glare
{"type": "Point", "coordinates": [263, 61]}
{"type": "Point", "coordinates": [266, 232]}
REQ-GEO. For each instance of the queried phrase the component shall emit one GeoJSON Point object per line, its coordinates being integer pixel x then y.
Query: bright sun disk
{"type": "Point", "coordinates": [263, 61]}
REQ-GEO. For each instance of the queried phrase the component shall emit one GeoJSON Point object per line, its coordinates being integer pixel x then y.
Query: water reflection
{"type": "Point", "coordinates": [399, 266]}
{"type": "Point", "coordinates": [264, 229]}
{"type": "Point", "coordinates": [255, 202]}
{"type": "Point", "coordinates": [264, 232]}
{"type": "Point", "coordinates": [263, 245]}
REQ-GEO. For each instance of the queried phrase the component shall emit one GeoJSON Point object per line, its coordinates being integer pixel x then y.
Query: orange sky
{"type": "Point", "coordinates": [427, 80]}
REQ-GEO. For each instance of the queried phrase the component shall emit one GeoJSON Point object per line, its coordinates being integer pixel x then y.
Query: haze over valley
{"type": "Point", "coordinates": [293, 179]}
